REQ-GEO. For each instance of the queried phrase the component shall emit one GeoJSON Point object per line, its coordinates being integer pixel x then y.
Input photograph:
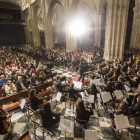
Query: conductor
{"type": "Point", "coordinates": [81, 70]}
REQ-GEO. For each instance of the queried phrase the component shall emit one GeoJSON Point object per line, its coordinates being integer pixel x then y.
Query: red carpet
{"type": "Point", "coordinates": [76, 78]}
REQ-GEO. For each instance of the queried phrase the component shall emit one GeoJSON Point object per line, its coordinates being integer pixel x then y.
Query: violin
{"type": "Point", "coordinates": [5, 125]}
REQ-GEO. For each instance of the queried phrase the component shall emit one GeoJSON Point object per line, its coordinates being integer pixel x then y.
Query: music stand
{"type": "Point", "coordinates": [67, 126]}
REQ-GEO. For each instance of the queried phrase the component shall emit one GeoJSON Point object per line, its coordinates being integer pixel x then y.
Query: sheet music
{"type": "Point", "coordinates": [126, 88]}
{"type": "Point", "coordinates": [118, 94]}
{"type": "Point", "coordinates": [106, 97]}
{"type": "Point", "coordinates": [22, 103]}
{"type": "Point", "coordinates": [91, 135]}
{"type": "Point", "coordinates": [121, 121]}
{"type": "Point", "coordinates": [91, 98]}
{"type": "Point", "coordinates": [66, 125]}
{"type": "Point", "coordinates": [77, 84]}
{"type": "Point", "coordinates": [58, 97]}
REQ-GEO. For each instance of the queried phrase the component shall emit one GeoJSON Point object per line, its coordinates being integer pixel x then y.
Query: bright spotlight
{"type": "Point", "coordinates": [78, 27]}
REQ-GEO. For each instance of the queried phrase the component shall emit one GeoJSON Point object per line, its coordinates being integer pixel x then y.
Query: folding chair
{"type": "Point", "coordinates": [35, 119]}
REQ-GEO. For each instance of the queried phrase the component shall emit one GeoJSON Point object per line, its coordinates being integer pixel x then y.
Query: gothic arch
{"type": "Point", "coordinates": [49, 30]}
{"type": "Point", "coordinates": [75, 3]}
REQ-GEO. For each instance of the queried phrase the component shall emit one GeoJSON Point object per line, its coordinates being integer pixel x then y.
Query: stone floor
{"type": "Point", "coordinates": [98, 121]}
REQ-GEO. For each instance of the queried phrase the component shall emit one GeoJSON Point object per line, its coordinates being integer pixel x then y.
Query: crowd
{"type": "Point", "coordinates": [19, 65]}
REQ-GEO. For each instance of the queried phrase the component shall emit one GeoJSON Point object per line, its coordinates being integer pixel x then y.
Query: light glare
{"type": "Point", "coordinates": [78, 27]}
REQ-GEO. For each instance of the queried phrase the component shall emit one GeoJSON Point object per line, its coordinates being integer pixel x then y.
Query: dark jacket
{"type": "Point", "coordinates": [19, 86]}
{"type": "Point", "coordinates": [47, 119]}
{"type": "Point", "coordinates": [35, 102]}
{"type": "Point", "coordinates": [83, 114]}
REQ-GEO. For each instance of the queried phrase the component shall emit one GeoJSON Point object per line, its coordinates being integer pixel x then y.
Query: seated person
{"type": "Point", "coordinates": [135, 107]}
{"type": "Point", "coordinates": [48, 117]}
{"type": "Point", "coordinates": [10, 88]}
{"type": "Point", "coordinates": [135, 80]}
{"type": "Point", "coordinates": [132, 99]}
{"type": "Point", "coordinates": [46, 70]}
{"type": "Point", "coordinates": [73, 92]}
{"type": "Point", "coordinates": [93, 91]}
{"type": "Point", "coordinates": [42, 77]}
{"type": "Point", "coordinates": [81, 112]}
{"type": "Point", "coordinates": [123, 109]}
{"type": "Point", "coordinates": [119, 84]}
{"type": "Point", "coordinates": [3, 80]}
{"type": "Point", "coordinates": [4, 117]}
{"type": "Point", "coordinates": [20, 84]}
{"type": "Point", "coordinates": [33, 80]}
{"type": "Point", "coordinates": [58, 86]}
{"type": "Point", "coordinates": [34, 101]}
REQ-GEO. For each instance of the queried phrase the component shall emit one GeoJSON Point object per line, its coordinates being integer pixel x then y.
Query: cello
{"type": "Point", "coordinates": [5, 125]}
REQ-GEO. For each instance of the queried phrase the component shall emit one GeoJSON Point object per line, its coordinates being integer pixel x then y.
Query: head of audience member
{"type": "Point", "coordinates": [2, 77]}
{"type": "Point", "coordinates": [33, 75]}
{"type": "Point", "coordinates": [47, 108]}
{"type": "Point", "coordinates": [19, 78]}
{"type": "Point", "coordinates": [9, 82]}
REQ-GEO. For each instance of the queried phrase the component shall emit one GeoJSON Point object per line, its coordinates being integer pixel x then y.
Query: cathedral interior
{"type": "Point", "coordinates": [64, 41]}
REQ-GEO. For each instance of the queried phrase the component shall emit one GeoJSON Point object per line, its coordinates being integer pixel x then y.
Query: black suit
{"type": "Point", "coordinates": [19, 86]}
{"type": "Point", "coordinates": [81, 71]}
{"type": "Point", "coordinates": [33, 81]}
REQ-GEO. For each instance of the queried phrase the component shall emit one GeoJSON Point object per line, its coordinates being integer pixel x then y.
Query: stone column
{"type": "Point", "coordinates": [71, 40]}
{"type": "Point", "coordinates": [135, 35]}
{"type": "Point", "coordinates": [49, 32]}
{"type": "Point", "coordinates": [116, 23]}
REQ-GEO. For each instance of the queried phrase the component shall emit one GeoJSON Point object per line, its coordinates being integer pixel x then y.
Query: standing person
{"type": "Point", "coordinates": [81, 71]}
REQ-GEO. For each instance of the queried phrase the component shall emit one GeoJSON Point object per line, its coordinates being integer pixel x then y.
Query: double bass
{"type": "Point", "coordinates": [5, 125]}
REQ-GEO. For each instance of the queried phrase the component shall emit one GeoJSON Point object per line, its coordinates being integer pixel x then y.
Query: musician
{"type": "Point", "coordinates": [132, 99]}
{"type": "Point", "coordinates": [114, 78]}
{"type": "Point", "coordinates": [5, 116]}
{"type": "Point", "coordinates": [10, 88]}
{"type": "Point", "coordinates": [119, 84]}
{"type": "Point", "coordinates": [135, 107]}
{"type": "Point", "coordinates": [123, 109]}
{"type": "Point", "coordinates": [135, 80]}
{"type": "Point", "coordinates": [81, 70]}
{"type": "Point", "coordinates": [48, 117]}
{"type": "Point", "coordinates": [34, 101]}
{"type": "Point", "coordinates": [124, 67]}
{"type": "Point", "coordinates": [20, 85]}
{"type": "Point", "coordinates": [58, 86]}
{"type": "Point", "coordinates": [73, 93]}
{"type": "Point", "coordinates": [93, 91]}
{"type": "Point", "coordinates": [81, 112]}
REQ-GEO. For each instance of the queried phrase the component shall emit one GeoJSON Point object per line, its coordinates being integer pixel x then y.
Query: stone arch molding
{"type": "Point", "coordinates": [90, 3]}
